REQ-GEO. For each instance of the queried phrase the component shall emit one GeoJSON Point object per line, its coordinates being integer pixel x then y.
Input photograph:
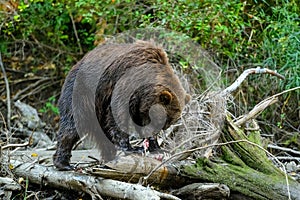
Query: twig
{"type": "Point", "coordinates": [271, 146]}
{"type": "Point", "coordinates": [41, 45]}
{"type": "Point", "coordinates": [208, 136]}
{"type": "Point", "coordinates": [256, 111]}
{"type": "Point", "coordinates": [4, 123]}
{"type": "Point", "coordinates": [283, 92]}
{"type": "Point", "coordinates": [75, 32]}
{"type": "Point", "coordinates": [29, 87]}
{"type": "Point", "coordinates": [25, 144]}
{"type": "Point", "coordinates": [38, 89]}
{"type": "Point", "coordinates": [261, 106]}
{"type": "Point", "coordinates": [7, 93]}
{"type": "Point", "coordinates": [21, 80]}
{"type": "Point", "coordinates": [80, 141]}
{"type": "Point", "coordinates": [244, 75]}
{"type": "Point", "coordinates": [288, 158]}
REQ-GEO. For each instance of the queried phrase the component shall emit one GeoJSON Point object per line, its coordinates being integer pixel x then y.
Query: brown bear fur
{"type": "Point", "coordinates": [113, 86]}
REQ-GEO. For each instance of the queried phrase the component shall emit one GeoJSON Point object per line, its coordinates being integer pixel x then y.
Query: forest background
{"type": "Point", "coordinates": [41, 40]}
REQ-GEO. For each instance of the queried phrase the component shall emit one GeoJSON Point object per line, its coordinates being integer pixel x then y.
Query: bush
{"type": "Point", "coordinates": [239, 34]}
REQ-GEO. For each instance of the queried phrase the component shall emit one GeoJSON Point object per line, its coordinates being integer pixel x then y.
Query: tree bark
{"type": "Point", "coordinates": [95, 186]}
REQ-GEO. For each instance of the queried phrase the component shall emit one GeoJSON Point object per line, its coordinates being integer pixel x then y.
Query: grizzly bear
{"type": "Point", "coordinates": [113, 88]}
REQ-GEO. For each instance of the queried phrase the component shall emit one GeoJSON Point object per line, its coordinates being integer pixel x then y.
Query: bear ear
{"type": "Point", "coordinates": [165, 97]}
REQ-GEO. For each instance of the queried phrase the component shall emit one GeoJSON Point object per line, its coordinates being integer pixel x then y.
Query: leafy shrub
{"type": "Point", "coordinates": [50, 106]}
{"type": "Point", "coordinates": [240, 34]}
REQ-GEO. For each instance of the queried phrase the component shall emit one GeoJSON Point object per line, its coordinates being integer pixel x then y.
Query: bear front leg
{"type": "Point", "coordinates": [153, 144]}
{"type": "Point", "coordinates": [62, 156]}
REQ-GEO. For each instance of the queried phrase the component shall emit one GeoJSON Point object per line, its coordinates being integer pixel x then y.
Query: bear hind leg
{"type": "Point", "coordinates": [62, 156]}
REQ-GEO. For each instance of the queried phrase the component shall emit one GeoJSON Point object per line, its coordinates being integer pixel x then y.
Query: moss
{"type": "Point", "coordinates": [245, 168]}
{"type": "Point", "coordinates": [230, 157]}
{"type": "Point", "coordinates": [244, 179]}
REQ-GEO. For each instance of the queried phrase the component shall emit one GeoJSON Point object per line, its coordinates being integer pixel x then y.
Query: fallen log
{"type": "Point", "coordinates": [133, 168]}
{"type": "Point", "coordinates": [95, 186]}
{"type": "Point", "coordinates": [245, 168]}
{"type": "Point", "coordinates": [197, 191]}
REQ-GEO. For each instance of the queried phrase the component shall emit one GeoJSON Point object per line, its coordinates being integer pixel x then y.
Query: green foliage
{"type": "Point", "coordinates": [217, 25]}
{"type": "Point", "coordinates": [237, 33]}
{"type": "Point", "coordinates": [65, 27]}
{"type": "Point", "coordinates": [282, 42]}
{"type": "Point", "coordinates": [293, 140]}
{"type": "Point", "coordinates": [50, 106]}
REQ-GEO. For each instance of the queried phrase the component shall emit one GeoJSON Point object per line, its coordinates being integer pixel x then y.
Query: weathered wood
{"type": "Point", "coordinates": [95, 186]}
{"type": "Point", "coordinates": [197, 191]}
{"type": "Point", "coordinates": [133, 168]}
{"type": "Point", "coordinates": [78, 156]}
{"type": "Point", "coordinates": [130, 168]}
{"type": "Point", "coordinates": [242, 165]}
{"type": "Point", "coordinates": [9, 184]}
{"type": "Point", "coordinates": [245, 169]}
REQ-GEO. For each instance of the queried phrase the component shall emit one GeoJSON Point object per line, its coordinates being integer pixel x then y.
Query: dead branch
{"type": "Point", "coordinates": [81, 182]}
{"type": "Point", "coordinates": [261, 107]}
{"type": "Point", "coordinates": [37, 83]}
{"type": "Point", "coordinates": [271, 146]}
{"type": "Point", "coordinates": [38, 89]}
{"type": "Point", "coordinates": [244, 75]}
{"type": "Point", "coordinates": [7, 183]}
{"type": "Point", "coordinates": [285, 158]}
{"type": "Point", "coordinates": [25, 144]}
{"type": "Point", "coordinates": [255, 111]}
{"type": "Point", "coordinates": [75, 32]}
{"type": "Point", "coordinates": [197, 191]}
{"type": "Point", "coordinates": [7, 93]}
{"type": "Point", "coordinates": [283, 92]}
{"type": "Point", "coordinates": [133, 167]}
{"type": "Point", "coordinates": [41, 45]}
{"type": "Point", "coordinates": [126, 168]}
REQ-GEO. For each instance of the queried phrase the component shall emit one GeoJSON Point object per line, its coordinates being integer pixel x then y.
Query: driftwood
{"type": "Point", "coordinates": [7, 93]}
{"type": "Point", "coordinates": [197, 191]}
{"type": "Point", "coordinates": [9, 184]}
{"type": "Point", "coordinates": [95, 186]}
{"type": "Point", "coordinates": [132, 168]}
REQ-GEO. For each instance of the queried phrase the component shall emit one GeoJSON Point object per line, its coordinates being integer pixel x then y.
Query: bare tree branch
{"type": "Point", "coordinates": [244, 75]}
{"type": "Point", "coordinates": [7, 93]}
{"type": "Point", "coordinates": [75, 32]}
